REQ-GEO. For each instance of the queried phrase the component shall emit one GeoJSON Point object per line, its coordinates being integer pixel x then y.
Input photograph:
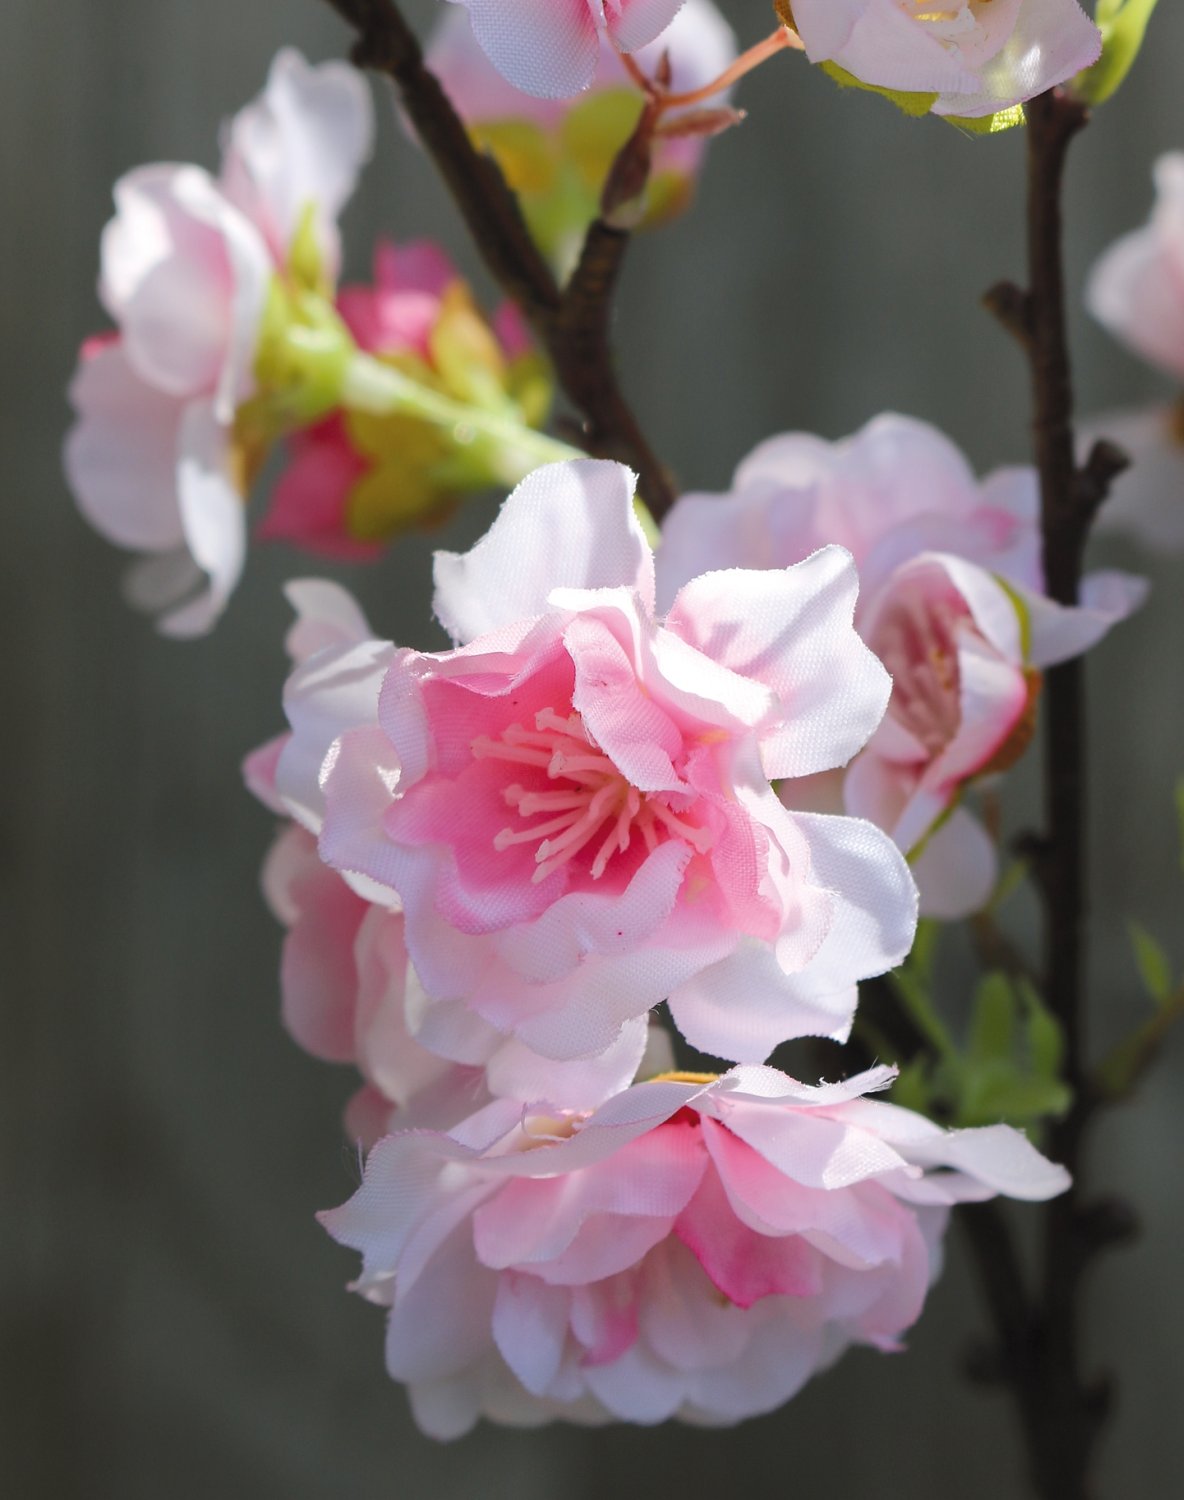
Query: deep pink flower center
{"type": "Point", "coordinates": [917, 642]}
{"type": "Point", "coordinates": [585, 803]}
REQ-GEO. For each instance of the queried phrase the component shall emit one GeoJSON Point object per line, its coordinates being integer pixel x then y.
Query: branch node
{"type": "Point", "coordinates": [1093, 482]}
{"type": "Point", "coordinates": [1012, 307]}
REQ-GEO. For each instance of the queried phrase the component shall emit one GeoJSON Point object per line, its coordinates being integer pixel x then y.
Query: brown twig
{"type": "Point", "coordinates": [1062, 1411]}
{"type": "Point", "coordinates": [572, 323]}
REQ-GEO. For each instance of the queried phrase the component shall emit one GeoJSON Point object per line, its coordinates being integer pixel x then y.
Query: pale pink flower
{"type": "Point", "coordinates": [574, 805]}
{"type": "Point", "coordinates": [951, 601]}
{"type": "Point", "coordinates": [977, 56]}
{"type": "Point", "coordinates": [556, 153]}
{"type": "Point", "coordinates": [349, 993]}
{"type": "Point", "coordinates": [551, 48]}
{"type": "Point", "coordinates": [154, 458]}
{"type": "Point", "coordinates": [696, 1248]}
{"type": "Point", "coordinates": [1136, 290]}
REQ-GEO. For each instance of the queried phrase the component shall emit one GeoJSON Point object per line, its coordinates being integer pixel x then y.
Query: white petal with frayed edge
{"type": "Point", "coordinates": [567, 525]}
{"type": "Point", "coordinates": [792, 630]}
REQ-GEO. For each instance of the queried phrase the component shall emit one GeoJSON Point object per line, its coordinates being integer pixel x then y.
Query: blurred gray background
{"type": "Point", "coordinates": [174, 1322]}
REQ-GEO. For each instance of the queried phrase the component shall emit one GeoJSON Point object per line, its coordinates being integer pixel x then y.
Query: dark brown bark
{"type": "Point", "coordinates": [1062, 1411]}
{"type": "Point", "coordinates": [572, 322]}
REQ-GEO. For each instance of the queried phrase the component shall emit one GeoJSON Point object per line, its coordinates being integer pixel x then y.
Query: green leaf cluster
{"type": "Point", "coordinates": [1009, 1068]}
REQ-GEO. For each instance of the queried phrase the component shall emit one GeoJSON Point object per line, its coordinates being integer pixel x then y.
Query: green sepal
{"type": "Point", "coordinates": [303, 352]}
{"type": "Point", "coordinates": [910, 104]}
{"type": "Point", "coordinates": [1002, 119]}
{"type": "Point", "coordinates": [1123, 24]}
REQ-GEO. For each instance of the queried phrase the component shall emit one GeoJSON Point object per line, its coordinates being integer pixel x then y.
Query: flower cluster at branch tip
{"type": "Point", "coordinates": [556, 153]}
{"type": "Point", "coordinates": [970, 59]}
{"type": "Point", "coordinates": [952, 601]}
{"type": "Point", "coordinates": [161, 457]}
{"type": "Point", "coordinates": [695, 1248]}
{"type": "Point", "coordinates": [229, 341]}
{"type": "Point", "coordinates": [1136, 291]}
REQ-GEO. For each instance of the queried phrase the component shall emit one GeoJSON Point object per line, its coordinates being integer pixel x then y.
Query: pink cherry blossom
{"type": "Point", "coordinates": [952, 601]}
{"type": "Point", "coordinates": [349, 993]}
{"type": "Point", "coordinates": [574, 805]}
{"type": "Point", "coordinates": [977, 56]}
{"type": "Point", "coordinates": [155, 458]}
{"type": "Point", "coordinates": [1136, 290]}
{"type": "Point", "coordinates": [696, 1248]}
{"type": "Point", "coordinates": [551, 48]}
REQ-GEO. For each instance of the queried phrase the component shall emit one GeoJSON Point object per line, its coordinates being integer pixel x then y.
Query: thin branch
{"type": "Point", "coordinates": [573, 323]}
{"type": "Point", "coordinates": [1062, 1412]}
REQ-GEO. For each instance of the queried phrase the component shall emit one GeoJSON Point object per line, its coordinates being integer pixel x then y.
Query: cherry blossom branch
{"type": "Point", "coordinates": [1062, 1411]}
{"type": "Point", "coordinates": [572, 322]}
{"type": "Point", "coordinates": [779, 41]}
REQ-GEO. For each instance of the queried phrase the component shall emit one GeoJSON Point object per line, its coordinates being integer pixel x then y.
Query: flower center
{"type": "Point", "coordinates": [950, 23]}
{"type": "Point", "coordinates": [591, 802]}
{"type": "Point", "coordinates": [916, 643]}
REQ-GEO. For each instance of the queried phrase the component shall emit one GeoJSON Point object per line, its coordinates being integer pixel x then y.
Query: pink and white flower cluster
{"type": "Point", "coordinates": [498, 859]}
{"type": "Point", "coordinates": [951, 600]}
{"type": "Point", "coordinates": [156, 460]}
{"type": "Point", "coordinates": [353, 480]}
{"type": "Point", "coordinates": [1136, 291]}
{"type": "Point", "coordinates": [698, 1247]}
{"type": "Point", "coordinates": [574, 805]}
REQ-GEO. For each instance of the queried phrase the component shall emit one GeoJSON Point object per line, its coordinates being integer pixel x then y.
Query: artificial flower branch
{"type": "Point", "coordinates": [1062, 1411]}
{"type": "Point", "coordinates": [572, 322]}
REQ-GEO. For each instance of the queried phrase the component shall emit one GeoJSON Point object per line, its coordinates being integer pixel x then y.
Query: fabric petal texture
{"type": "Point", "coordinates": [693, 1248]}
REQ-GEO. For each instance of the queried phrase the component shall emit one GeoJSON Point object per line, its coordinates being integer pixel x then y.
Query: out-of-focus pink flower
{"type": "Point", "coordinates": [551, 48]}
{"type": "Point", "coordinates": [696, 1248]}
{"type": "Point", "coordinates": [354, 480]}
{"type": "Point", "coordinates": [556, 153]}
{"type": "Point", "coordinates": [349, 993]}
{"type": "Point", "coordinates": [952, 601]}
{"type": "Point", "coordinates": [574, 805]}
{"type": "Point", "coordinates": [158, 459]}
{"type": "Point", "coordinates": [1136, 290]}
{"type": "Point", "coordinates": [977, 56]}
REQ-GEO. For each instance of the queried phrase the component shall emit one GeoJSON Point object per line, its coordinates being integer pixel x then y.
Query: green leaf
{"type": "Point", "coordinates": [1123, 24]}
{"type": "Point", "coordinates": [1042, 1032]}
{"type": "Point", "coordinates": [914, 996]}
{"type": "Point", "coordinates": [1011, 1097]}
{"type": "Point", "coordinates": [992, 1030]}
{"type": "Point", "coordinates": [1155, 969]}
